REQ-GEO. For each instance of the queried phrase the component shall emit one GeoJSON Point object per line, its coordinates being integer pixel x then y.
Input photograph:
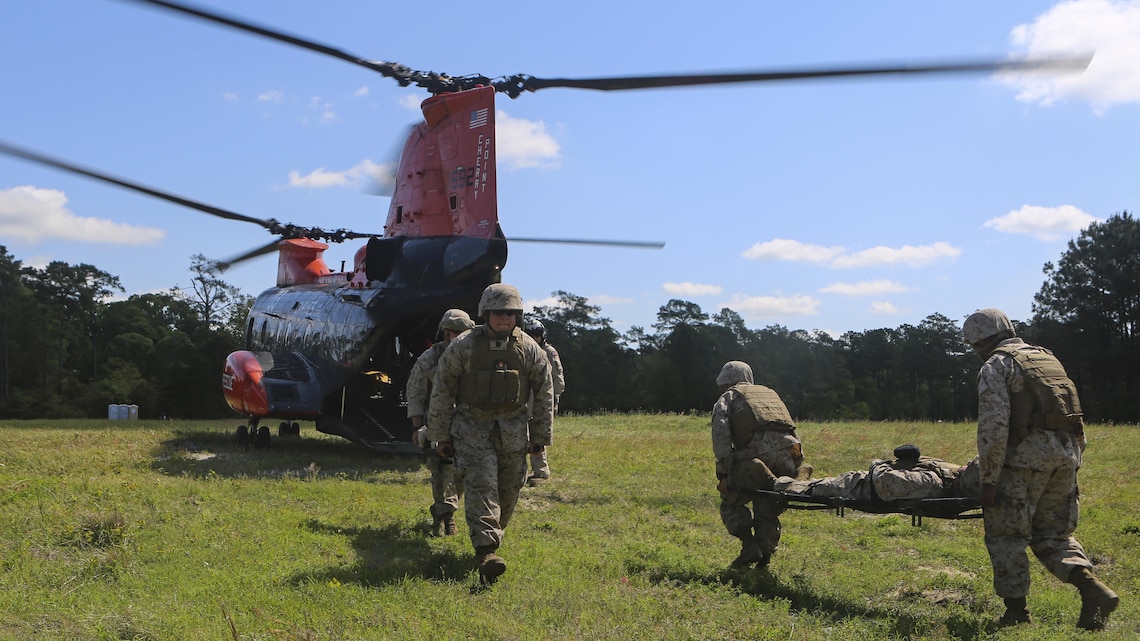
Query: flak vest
{"type": "Point", "coordinates": [763, 410]}
{"type": "Point", "coordinates": [495, 382]}
{"type": "Point", "coordinates": [1049, 400]}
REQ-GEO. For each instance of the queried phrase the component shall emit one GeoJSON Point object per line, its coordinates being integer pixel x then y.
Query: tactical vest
{"type": "Point", "coordinates": [495, 381]}
{"type": "Point", "coordinates": [762, 410]}
{"type": "Point", "coordinates": [1049, 401]}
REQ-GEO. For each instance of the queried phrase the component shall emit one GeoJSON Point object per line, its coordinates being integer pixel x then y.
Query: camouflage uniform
{"type": "Point", "coordinates": [539, 463]}
{"type": "Point", "coordinates": [490, 446]}
{"type": "Point", "coordinates": [771, 448]}
{"type": "Point", "coordinates": [445, 490]}
{"type": "Point", "coordinates": [1037, 499]}
{"type": "Point", "coordinates": [1031, 439]}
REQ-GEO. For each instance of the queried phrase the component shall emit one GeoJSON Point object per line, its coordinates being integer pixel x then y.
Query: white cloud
{"type": "Point", "coordinates": [230, 96]}
{"type": "Point", "coordinates": [273, 95]}
{"type": "Point", "coordinates": [1111, 28]}
{"type": "Point", "coordinates": [606, 299]}
{"type": "Point", "coordinates": [866, 288]}
{"type": "Point", "coordinates": [411, 101]}
{"type": "Point", "coordinates": [784, 249]}
{"type": "Point", "coordinates": [692, 289]}
{"type": "Point", "coordinates": [907, 254]}
{"type": "Point", "coordinates": [33, 214]}
{"type": "Point", "coordinates": [754, 307]}
{"type": "Point", "coordinates": [1043, 223]}
{"type": "Point", "coordinates": [524, 143]}
{"type": "Point", "coordinates": [363, 91]}
{"type": "Point", "coordinates": [883, 307]}
{"type": "Point", "coordinates": [365, 174]}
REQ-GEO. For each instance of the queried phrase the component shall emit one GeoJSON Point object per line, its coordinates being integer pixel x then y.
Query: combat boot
{"type": "Point", "coordinates": [491, 566]}
{"type": "Point", "coordinates": [1016, 613]}
{"type": "Point", "coordinates": [804, 472]}
{"type": "Point", "coordinates": [750, 554]}
{"type": "Point", "coordinates": [449, 526]}
{"type": "Point", "coordinates": [1097, 601]}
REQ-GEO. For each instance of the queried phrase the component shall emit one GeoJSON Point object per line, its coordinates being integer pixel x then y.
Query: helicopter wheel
{"type": "Point", "coordinates": [241, 436]}
{"type": "Point", "coordinates": [261, 441]}
{"type": "Point", "coordinates": [295, 429]}
{"type": "Point", "coordinates": [283, 429]}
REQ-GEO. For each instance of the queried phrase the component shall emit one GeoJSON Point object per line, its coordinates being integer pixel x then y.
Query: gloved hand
{"type": "Point", "coordinates": [420, 437]}
{"type": "Point", "coordinates": [722, 487]}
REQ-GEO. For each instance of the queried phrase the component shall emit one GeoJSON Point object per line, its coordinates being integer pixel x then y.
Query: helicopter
{"type": "Point", "coordinates": [335, 347]}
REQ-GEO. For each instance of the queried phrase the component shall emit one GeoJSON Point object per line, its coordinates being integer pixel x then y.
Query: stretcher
{"type": "Point", "coordinates": [939, 508]}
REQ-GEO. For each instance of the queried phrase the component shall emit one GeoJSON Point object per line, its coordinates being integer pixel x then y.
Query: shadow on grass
{"type": "Point", "coordinates": [388, 554]}
{"type": "Point", "coordinates": [803, 596]}
{"type": "Point", "coordinates": [206, 453]}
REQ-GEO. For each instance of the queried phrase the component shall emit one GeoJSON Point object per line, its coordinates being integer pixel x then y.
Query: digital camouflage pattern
{"type": "Point", "coordinates": [1037, 497]}
{"type": "Point", "coordinates": [777, 449]}
{"type": "Point", "coordinates": [540, 463]}
{"type": "Point", "coordinates": [490, 447]}
{"type": "Point", "coordinates": [445, 490]}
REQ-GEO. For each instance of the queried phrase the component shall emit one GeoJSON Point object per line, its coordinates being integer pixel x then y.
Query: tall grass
{"type": "Point", "coordinates": [155, 531]}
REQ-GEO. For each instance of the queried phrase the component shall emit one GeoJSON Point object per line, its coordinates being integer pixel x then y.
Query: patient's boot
{"type": "Point", "coordinates": [1016, 613]}
{"type": "Point", "coordinates": [1097, 601]}
{"type": "Point", "coordinates": [803, 473]}
{"type": "Point", "coordinates": [750, 554]}
{"type": "Point", "coordinates": [759, 476]}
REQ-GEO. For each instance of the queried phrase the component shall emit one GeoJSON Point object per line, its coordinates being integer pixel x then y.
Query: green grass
{"type": "Point", "coordinates": [161, 531]}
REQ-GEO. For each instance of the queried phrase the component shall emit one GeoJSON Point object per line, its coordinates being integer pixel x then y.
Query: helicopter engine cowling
{"type": "Point", "coordinates": [266, 384]}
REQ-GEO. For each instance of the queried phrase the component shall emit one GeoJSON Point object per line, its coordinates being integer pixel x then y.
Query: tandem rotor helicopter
{"type": "Point", "coordinates": [336, 347]}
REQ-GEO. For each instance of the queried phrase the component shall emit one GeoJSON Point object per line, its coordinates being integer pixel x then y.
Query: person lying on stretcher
{"type": "Point", "coordinates": [908, 476]}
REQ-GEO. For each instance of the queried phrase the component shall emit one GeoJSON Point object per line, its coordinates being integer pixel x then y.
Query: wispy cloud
{"type": "Point", "coordinates": [364, 174]}
{"type": "Point", "coordinates": [273, 96]}
{"type": "Point", "coordinates": [886, 309]}
{"type": "Point", "coordinates": [837, 257]}
{"type": "Point", "coordinates": [691, 289]}
{"type": "Point", "coordinates": [759, 307]}
{"type": "Point", "coordinates": [784, 249]}
{"type": "Point", "coordinates": [1043, 223]}
{"type": "Point", "coordinates": [866, 288]}
{"type": "Point", "coordinates": [35, 214]}
{"type": "Point", "coordinates": [1111, 28]}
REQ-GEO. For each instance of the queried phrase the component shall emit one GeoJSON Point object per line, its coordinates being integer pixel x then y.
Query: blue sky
{"type": "Point", "coordinates": [841, 205]}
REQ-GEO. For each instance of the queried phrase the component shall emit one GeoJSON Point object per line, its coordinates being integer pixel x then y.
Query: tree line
{"type": "Point", "coordinates": [68, 350]}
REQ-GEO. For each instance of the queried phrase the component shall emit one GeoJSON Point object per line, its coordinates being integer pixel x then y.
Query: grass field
{"type": "Point", "coordinates": [157, 531]}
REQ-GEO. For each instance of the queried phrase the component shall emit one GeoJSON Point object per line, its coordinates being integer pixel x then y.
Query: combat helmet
{"type": "Point", "coordinates": [734, 372]}
{"type": "Point", "coordinates": [985, 323]}
{"type": "Point", "coordinates": [536, 330]}
{"type": "Point", "coordinates": [500, 297]}
{"type": "Point", "coordinates": [456, 320]}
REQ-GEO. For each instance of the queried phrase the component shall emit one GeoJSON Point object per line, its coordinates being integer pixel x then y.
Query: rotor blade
{"type": "Point", "coordinates": [1073, 64]}
{"type": "Point", "coordinates": [643, 244]}
{"type": "Point", "coordinates": [90, 173]}
{"type": "Point", "coordinates": [270, 247]}
{"type": "Point", "coordinates": [388, 69]}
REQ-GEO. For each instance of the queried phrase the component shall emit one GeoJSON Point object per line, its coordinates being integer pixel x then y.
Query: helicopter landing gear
{"type": "Point", "coordinates": [289, 429]}
{"type": "Point", "coordinates": [251, 434]}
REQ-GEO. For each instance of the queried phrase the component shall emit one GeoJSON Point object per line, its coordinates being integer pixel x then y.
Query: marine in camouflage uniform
{"type": "Point", "coordinates": [754, 441]}
{"type": "Point", "coordinates": [1030, 443]}
{"type": "Point", "coordinates": [444, 489]}
{"type": "Point", "coordinates": [478, 412]}
{"type": "Point", "coordinates": [540, 463]}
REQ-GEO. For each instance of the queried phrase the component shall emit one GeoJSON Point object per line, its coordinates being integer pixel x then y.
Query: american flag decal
{"type": "Point", "coordinates": [478, 118]}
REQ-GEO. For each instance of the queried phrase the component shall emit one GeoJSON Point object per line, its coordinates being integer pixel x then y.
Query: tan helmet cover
{"type": "Point", "coordinates": [498, 298]}
{"type": "Point", "coordinates": [734, 372]}
{"type": "Point", "coordinates": [456, 320]}
{"type": "Point", "coordinates": [985, 323]}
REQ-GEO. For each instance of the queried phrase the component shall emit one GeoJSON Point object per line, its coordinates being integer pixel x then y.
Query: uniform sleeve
{"type": "Point", "coordinates": [542, 388]}
{"type": "Point", "coordinates": [556, 374]}
{"type": "Point", "coordinates": [419, 386]}
{"type": "Point", "coordinates": [722, 435]}
{"type": "Point", "coordinates": [444, 388]}
{"type": "Point", "coordinates": [993, 416]}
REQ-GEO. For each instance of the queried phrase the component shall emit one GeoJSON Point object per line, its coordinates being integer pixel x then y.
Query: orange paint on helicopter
{"type": "Point", "coordinates": [242, 384]}
{"type": "Point", "coordinates": [300, 262]}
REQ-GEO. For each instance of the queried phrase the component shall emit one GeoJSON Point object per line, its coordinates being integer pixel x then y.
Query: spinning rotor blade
{"type": "Point", "coordinates": [285, 230]}
{"type": "Point", "coordinates": [640, 244]}
{"type": "Point", "coordinates": [515, 85]}
{"type": "Point", "coordinates": [268, 248]}
{"type": "Point", "coordinates": [91, 173]}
